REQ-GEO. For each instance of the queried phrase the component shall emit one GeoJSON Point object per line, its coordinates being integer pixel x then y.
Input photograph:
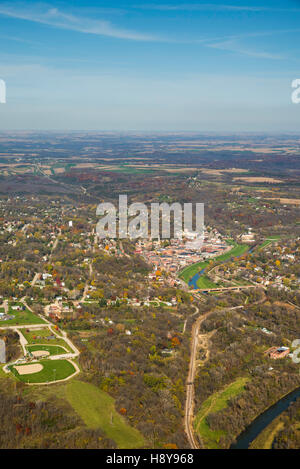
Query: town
{"type": "Point", "coordinates": [180, 325]}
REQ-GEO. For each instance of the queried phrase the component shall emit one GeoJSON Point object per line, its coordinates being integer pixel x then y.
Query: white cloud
{"type": "Point", "coordinates": [58, 19]}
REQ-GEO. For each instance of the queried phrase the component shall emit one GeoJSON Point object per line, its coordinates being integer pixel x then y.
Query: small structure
{"type": "Point", "coordinates": [59, 311]}
{"type": "Point", "coordinates": [277, 352]}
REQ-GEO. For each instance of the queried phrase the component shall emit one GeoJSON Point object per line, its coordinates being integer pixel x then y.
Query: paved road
{"type": "Point", "coordinates": [29, 326]}
{"type": "Point", "coordinates": [75, 352]}
{"type": "Point", "coordinates": [71, 355]}
{"type": "Point", "coordinates": [49, 324]}
{"type": "Point", "coordinates": [74, 188]}
{"type": "Point", "coordinates": [23, 341]}
{"type": "Point", "coordinates": [236, 287]}
{"type": "Point", "coordinates": [35, 278]}
{"type": "Point", "coordinates": [55, 243]}
{"type": "Point", "coordinates": [85, 292]}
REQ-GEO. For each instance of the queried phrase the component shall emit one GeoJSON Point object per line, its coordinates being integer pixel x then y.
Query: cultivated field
{"type": "Point", "coordinates": [258, 179]}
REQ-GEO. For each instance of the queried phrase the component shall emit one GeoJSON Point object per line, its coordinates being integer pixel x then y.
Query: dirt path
{"type": "Point", "coordinates": [35, 278]}
{"type": "Point", "coordinates": [189, 404]}
{"type": "Point", "coordinates": [196, 340]}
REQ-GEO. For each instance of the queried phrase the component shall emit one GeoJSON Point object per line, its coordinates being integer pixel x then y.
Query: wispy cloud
{"type": "Point", "coordinates": [17, 39]}
{"type": "Point", "coordinates": [233, 46]}
{"type": "Point", "coordinates": [214, 7]}
{"type": "Point", "coordinates": [232, 43]}
{"type": "Point", "coordinates": [58, 19]}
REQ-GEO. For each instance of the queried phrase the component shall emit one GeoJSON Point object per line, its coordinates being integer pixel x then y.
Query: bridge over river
{"type": "Point", "coordinates": [234, 288]}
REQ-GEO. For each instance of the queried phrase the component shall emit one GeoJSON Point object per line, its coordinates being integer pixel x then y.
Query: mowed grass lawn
{"type": "Point", "coordinates": [268, 241]}
{"type": "Point", "coordinates": [31, 335]}
{"type": "Point", "coordinates": [53, 370]}
{"type": "Point", "coordinates": [52, 349]}
{"type": "Point", "coordinates": [215, 403]}
{"type": "Point", "coordinates": [205, 282]}
{"type": "Point", "coordinates": [238, 250]}
{"type": "Point", "coordinates": [97, 410]}
{"type": "Point", "coordinates": [190, 271]}
{"type": "Point", "coordinates": [21, 318]}
{"type": "Point", "coordinates": [40, 336]}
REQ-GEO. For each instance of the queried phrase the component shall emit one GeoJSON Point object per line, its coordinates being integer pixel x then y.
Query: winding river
{"type": "Point", "coordinates": [262, 421]}
{"type": "Point", "coordinates": [193, 281]}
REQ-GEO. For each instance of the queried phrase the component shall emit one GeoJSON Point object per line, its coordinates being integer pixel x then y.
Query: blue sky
{"type": "Point", "coordinates": [138, 65]}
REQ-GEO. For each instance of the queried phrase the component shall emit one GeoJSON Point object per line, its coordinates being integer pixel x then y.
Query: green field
{"type": "Point", "coordinates": [268, 241]}
{"type": "Point", "coordinates": [128, 169]}
{"type": "Point", "coordinates": [191, 270]}
{"type": "Point", "coordinates": [205, 282]}
{"type": "Point", "coordinates": [39, 336]}
{"type": "Point", "coordinates": [238, 250]}
{"type": "Point", "coordinates": [21, 317]}
{"type": "Point", "coordinates": [215, 403]}
{"type": "Point", "coordinates": [97, 410]}
{"type": "Point", "coordinates": [54, 370]}
{"type": "Point", "coordinates": [42, 333]}
{"type": "Point", "coordinates": [52, 349]}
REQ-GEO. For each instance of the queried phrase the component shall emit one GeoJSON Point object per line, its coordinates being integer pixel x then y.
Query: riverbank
{"type": "Point", "coordinates": [266, 437]}
{"type": "Point", "coordinates": [194, 275]}
{"type": "Point", "coordinates": [265, 418]}
{"type": "Point", "coordinates": [215, 403]}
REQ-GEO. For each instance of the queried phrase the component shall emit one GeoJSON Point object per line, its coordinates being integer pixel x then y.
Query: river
{"type": "Point", "coordinates": [195, 278]}
{"type": "Point", "coordinates": [193, 281]}
{"type": "Point", "coordinates": [262, 421]}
